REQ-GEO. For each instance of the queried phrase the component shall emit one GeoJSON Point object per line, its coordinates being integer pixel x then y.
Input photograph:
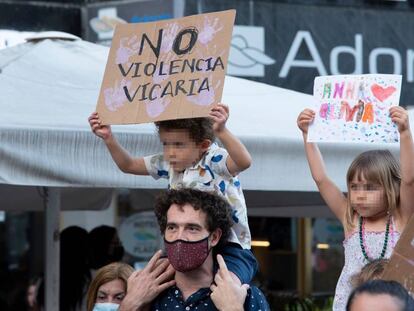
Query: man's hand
{"type": "Point", "coordinates": [145, 285]}
{"type": "Point", "coordinates": [102, 131]}
{"type": "Point", "coordinates": [227, 295]}
{"type": "Point", "coordinates": [219, 114]}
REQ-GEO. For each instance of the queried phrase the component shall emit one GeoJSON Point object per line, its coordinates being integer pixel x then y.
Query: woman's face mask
{"type": "Point", "coordinates": [106, 306]}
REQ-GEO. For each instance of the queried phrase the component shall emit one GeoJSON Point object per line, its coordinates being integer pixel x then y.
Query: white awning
{"type": "Point", "coordinates": [49, 88]}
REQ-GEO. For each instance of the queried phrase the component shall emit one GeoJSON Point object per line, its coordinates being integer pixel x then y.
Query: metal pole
{"type": "Point", "coordinates": [200, 6]}
{"type": "Point", "coordinates": [304, 257]}
{"type": "Point", "coordinates": [179, 8]}
{"type": "Point", "coordinates": [251, 13]}
{"type": "Point", "coordinates": [52, 264]}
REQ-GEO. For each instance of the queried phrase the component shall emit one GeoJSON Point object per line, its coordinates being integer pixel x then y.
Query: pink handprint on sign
{"type": "Point", "coordinates": [209, 30]}
{"type": "Point", "coordinates": [156, 106]}
{"type": "Point", "coordinates": [127, 47]}
{"type": "Point", "coordinates": [169, 37]}
{"type": "Point", "coordinates": [115, 96]}
{"type": "Point", "coordinates": [205, 97]}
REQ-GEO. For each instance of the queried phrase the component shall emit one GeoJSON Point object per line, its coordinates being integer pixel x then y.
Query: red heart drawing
{"type": "Point", "coordinates": [382, 93]}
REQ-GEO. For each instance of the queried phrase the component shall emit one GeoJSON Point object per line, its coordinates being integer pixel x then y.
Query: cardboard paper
{"type": "Point", "coordinates": [355, 108]}
{"type": "Point", "coordinates": [169, 69]}
{"type": "Point", "coordinates": [401, 265]}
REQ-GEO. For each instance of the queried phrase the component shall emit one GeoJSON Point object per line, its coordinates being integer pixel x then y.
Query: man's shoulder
{"type": "Point", "coordinates": [166, 293]}
{"type": "Point", "coordinates": [256, 300]}
{"type": "Point", "coordinates": [159, 302]}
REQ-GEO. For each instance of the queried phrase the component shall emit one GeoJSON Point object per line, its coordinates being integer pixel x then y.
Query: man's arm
{"type": "Point", "coordinates": [239, 158]}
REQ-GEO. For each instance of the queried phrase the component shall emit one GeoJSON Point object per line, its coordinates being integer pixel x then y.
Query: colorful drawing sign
{"type": "Point", "coordinates": [355, 108]}
{"type": "Point", "coordinates": [164, 70]}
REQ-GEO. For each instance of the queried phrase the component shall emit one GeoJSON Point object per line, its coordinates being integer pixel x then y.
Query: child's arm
{"type": "Point", "coordinates": [239, 158]}
{"type": "Point", "coordinates": [125, 162]}
{"type": "Point", "coordinates": [400, 116]}
{"type": "Point", "coordinates": [332, 195]}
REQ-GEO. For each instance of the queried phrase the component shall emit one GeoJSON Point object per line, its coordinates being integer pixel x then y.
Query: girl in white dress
{"type": "Point", "coordinates": [379, 203]}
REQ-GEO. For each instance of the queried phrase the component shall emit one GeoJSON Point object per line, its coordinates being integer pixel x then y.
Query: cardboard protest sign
{"type": "Point", "coordinates": [169, 69]}
{"type": "Point", "coordinates": [401, 265]}
{"type": "Point", "coordinates": [355, 108]}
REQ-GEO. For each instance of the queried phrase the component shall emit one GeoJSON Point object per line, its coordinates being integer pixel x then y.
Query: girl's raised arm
{"type": "Point", "coordinates": [332, 195]}
{"type": "Point", "coordinates": [400, 116]}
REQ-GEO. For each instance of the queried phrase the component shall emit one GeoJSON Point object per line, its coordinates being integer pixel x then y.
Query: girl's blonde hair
{"type": "Point", "coordinates": [380, 167]}
{"type": "Point", "coordinates": [108, 273]}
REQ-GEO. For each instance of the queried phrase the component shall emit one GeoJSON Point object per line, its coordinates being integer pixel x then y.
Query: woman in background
{"type": "Point", "coordinates": [109, 287]}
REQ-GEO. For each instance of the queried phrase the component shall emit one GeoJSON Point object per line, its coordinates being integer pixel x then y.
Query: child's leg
{"type": "Point", "coordinates": [240, 261]}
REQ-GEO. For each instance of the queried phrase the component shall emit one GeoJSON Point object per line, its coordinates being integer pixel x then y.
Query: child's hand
{"type": "Point", "coordinates": [304, 119]}
{"type": "Point", "coordinates": [102, 131]}
{"type": "Point", "coordinates": [219, 114]}
{"type": "Point", "coordinates": [400, 117]}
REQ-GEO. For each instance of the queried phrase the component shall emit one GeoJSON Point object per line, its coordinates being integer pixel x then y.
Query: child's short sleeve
{"type": "Point", "coordinates": [216, 159]}
{"type": "Point", "coordinates": [156, 166]}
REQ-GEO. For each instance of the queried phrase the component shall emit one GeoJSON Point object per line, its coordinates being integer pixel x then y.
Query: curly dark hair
{"type": "Point", "coordinates": [198, 128]}
{"type": "Point", "coordinates": [216, 209]}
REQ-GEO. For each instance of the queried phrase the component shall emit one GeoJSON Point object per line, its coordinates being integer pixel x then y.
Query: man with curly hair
{"type": "Point", "coordinates": [195, 226]}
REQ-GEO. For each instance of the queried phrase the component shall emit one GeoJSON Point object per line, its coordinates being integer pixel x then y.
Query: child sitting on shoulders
{"type": "Point", "coordinates": [191, 159]}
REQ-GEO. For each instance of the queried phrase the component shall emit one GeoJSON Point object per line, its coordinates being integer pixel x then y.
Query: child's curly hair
{"type": "Point", "coordinates": [198, 128]}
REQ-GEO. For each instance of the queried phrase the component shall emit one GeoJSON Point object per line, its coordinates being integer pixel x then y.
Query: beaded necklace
{"type": "Point", "coordinates": [361, 239]}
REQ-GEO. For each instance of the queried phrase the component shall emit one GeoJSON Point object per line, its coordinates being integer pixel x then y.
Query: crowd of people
{"type": "Point", "coordinates": [190, 275]}
{"type": "Point", "coordinates": [374, 213]}
{"type": "Point", "coordinates": [194, 276]}
{"type": "Point", "coordinates": [82, 254]}
{"type": "Point", "coordinates": [207, 262]}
